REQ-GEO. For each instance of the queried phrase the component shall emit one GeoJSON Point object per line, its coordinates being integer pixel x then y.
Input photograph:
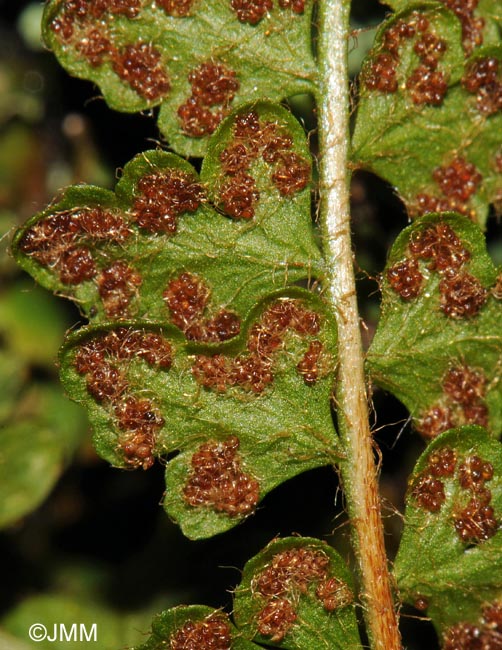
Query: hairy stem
{"type": "Point", "coordinates": [358, 470]}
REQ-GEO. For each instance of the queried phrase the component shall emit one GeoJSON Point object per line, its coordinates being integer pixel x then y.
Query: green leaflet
{"type": "Point", "coordinates": [116, 253]}
{"type": "Point", "coordinates": [438, 348]}
{"type": "Point", "coordinates": [202, 623]}
{"type": "Point", "coordinates": [197, 60]}
{"type": "Point", "coordinates": [297, 591]}
{"type": "Point", "coordinates": [450, 550]}
{"type": "Point", "coordinates": [246, 415]}
{"type": "Point", "coordinates": [320, 592]}
{"type": "Point", "coordinates": [199, 334]}
{"type": "Point", "coordinates": [428, 120]}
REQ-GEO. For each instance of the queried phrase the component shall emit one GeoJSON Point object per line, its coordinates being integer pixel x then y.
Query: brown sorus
{"type": "Point", "coordinates": [211, 633]}
{"type": "Point", "coordinates": [218, 481]}
{"type": "Point", "coordinates": [235, 158]}
{"type": "Point", "coordinates": [186, 297]}
{"type": "Point", "coordinates": [440, 244]}
{"type": "Point", "coordinates": [458, 180]}
{"type": "Point", "coordinates": [308, 367]}
{"type": "Point", "coordinates": [463, 636]}
{"type": "Point", "coordinates": [427, 86]}
{"type": "Point", "coordinates": [276, 619]}
{"type": "Point", "coordinates": [117, 285]}
{"type": "Point", "coordinates": [464, 385]}
{"type": "Point", "coordinates": [198, 120]}
{"type": "Point", "coordinates": [76, 265]}
{"type": "Point", "coordinates": [477, 413]}
{"type": "Point", "coordinates": [292, 174]}
{"type": "Point", "coordinates": [290, 570]}
{"type": "Point", "coordinates": [95, 47]}
{"type": "Point", "coordinates": [434, 421]}
{"type": "Point", "coordinates": [442, 462]}
{"type": "Point", "coordinates": [138, 450]}
{"type": "Point", "coordinates": [334, 594]}
{"type": "Point", "coordinates": [482, 79]}
{"type": "Point", "coordinates": [461, 296]}
{"type": "Point", "coordinates": [474, 472]}
{"type": "Point", "coordinates": [138, 415]}
{"type": "Point", "coordinates": [251, 11]}
{"type": "Point", "coordinates": [239, 196]}
{"type": "Point", "coordinates": [140, 65]}
{"type": "Point", "coordinates": [381, 74]}
{"type": "Point", "coordinates": [429, 493]}
{"type": "Point", "coordinates": [213, 83]}
{"type": "Point", "coordinates": [476, 522]}
{"type": "Point", "coordinates": [162, 197]}
{"type": "Point", "coordinates": [297, 6]}
{"type": "Point", "coordinates": [178, 8]}
{"type": "Point", "coordinates": [405, 278]}
{"type": "Point", "coordinates": [472, 26]}
{"type": "Point", "coordinates": [105, 383]}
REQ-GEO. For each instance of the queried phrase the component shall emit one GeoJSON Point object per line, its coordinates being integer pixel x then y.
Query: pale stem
{"type": "Point", "coordinates": [359, 473]}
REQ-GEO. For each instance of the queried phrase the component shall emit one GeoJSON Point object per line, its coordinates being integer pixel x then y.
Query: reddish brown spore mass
{"type": "Point", "coordinates": [476, 523]}
{"type": "Point", "coordinates": [239, 196]}
{"type": "Point", "coordinates": [486, 634]}
{"type": "Point", "coordinates": [457, 181]}
{"type": "Point", "coordinates": [117, 285]}
{"type": "Point", "coordinates": [253, 138]}
{"type": "Point", "coordinates": [291, 570]}
{"type": "Point", "coordinates": [472, 26]}
{"type": "Point", "coordinates": [162, 197]}
{"type": "Point", "coordinates": [483, 80]}
{"type": "Point", "coordinates": [95, 46]}
{"type": "Point", "coordinates": [297, 6]}
{"type": "Point", "coordinates": [178, 8]}
{"type": "Point", "coordinates": [429, 493]}
{"type": "Point", "coordinates": [435, 421]}
{"type": "Point", "coordinates": [405, 278]}
{"type": "Point", "coordinates": [381, 74]}
{"type": "Point", "coordinates": [426, 84]}
{"type": "Point", "coordinates": [292, 174]}
{"type": "Point", "coordinates": [441, 245]}
{"type": "Point", "coordinates": [213, 85]}
{"type": "Point", "coordinates": [309, 364]}
{"type": "Point", "coordinates": [288, 574]}
{"type": "Point", "coordinates": [218, 481]}
{"type": "Point", "coordinates": [464, 384]}
{"type": "Point", "coordinates": [187, 298]}
{"type": "Point", "coordinates": [442, 462]}
{"type": "Point", "coordinates": [212, 633]}
{"type": "Point", "coordinates": [334, 593]}
{"type": "Point", "coordinates": [474, 472]}
{"type": "Point", "coordinates": [251, 11]}
{"type": "Point", "coordinates": [84, 12]}
{"type": "Point", "coordinates": [462, 296]}
{"type": "Point", "coordinates": [85, 24]}
{"type": "Point", "coordinates": [276, 619]}
{"type": "Point", "coordinates": [137, 417]}
{"type": "Point", "coordinates": [76, 265]}
{"type": "Point", "coordinates": [57, 241]}
{"type": "Point", "coordinates": [254, 370]}
{"type": "Point", "coordinates": [140, 65]}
